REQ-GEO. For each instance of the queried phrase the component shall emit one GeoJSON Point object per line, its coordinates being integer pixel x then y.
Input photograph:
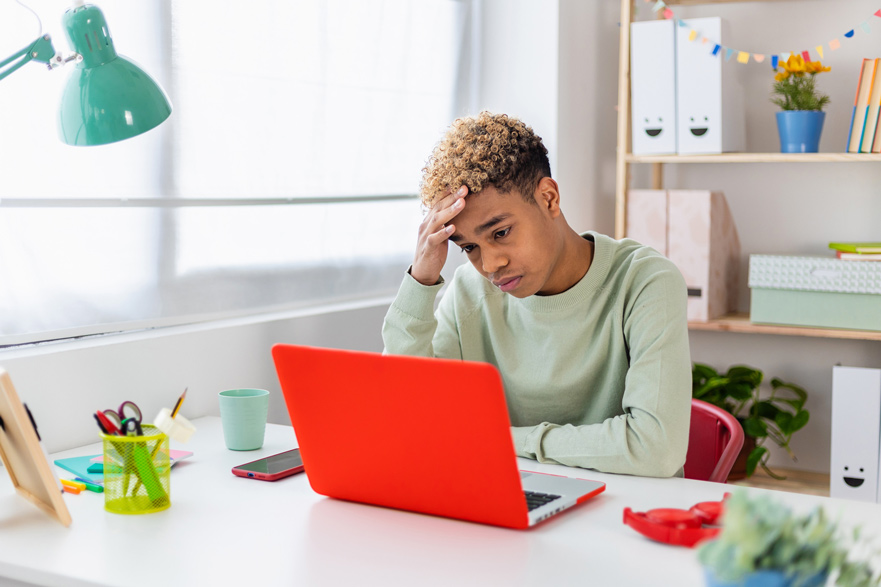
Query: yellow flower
{"type": "Point", "coordinates": [816, 67]}
{"type": "Point", "coordinates": [795, 64]}
{"type": "Point", "coordinates": [781, 76]}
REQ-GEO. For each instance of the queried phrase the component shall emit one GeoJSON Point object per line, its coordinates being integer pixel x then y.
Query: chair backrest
{"type": "Point", "coordinates": [714, 441]}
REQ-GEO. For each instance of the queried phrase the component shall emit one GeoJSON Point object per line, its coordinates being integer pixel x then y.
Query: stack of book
{"type": "Point", "coordinates": [857, 251]}
{"type": "Point", "coordinates": [863, 136]}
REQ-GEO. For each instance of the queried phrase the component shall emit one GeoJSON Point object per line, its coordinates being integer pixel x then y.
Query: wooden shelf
{"type": "Point", "coordinates": [795, 482]}
{"type": "Point", "coordinates": [758, 158]}
{"type": "Point", "coordinates": [739, 322]}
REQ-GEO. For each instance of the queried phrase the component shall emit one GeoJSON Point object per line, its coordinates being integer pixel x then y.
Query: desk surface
{"type": "Point", "coordinates": [223, 529]}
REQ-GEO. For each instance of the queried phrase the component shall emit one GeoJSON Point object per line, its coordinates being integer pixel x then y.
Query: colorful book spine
{"type": "Point", "coordinates": [860, 105]}
{"type": "Point", "coordinates": [872, 112]}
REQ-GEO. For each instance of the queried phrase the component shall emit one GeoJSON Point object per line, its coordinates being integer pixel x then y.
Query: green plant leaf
{"type": "Point", "coordinates": [784, 422]}
{"type": "Point", "coordinates": [752, 460]}
{"type": "Point", "coordinates": [755, 427]}
{"type": "Point", "coordinates": [764, 409]}
{"type": "Point", "coordinates": [799, 420]}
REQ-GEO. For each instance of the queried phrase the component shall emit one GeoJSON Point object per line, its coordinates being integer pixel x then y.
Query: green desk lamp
{"type": "Point", "coordinates": [107, 97]}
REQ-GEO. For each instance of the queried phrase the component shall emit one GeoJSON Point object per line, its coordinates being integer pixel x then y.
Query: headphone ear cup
{"type": "Point", "coordinates": [670, 526]}
{"type": "Point", "coordinates": [708, 512]}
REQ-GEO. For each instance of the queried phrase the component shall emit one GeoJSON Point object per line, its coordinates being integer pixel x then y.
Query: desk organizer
{"type": "Point", "coordinates": [137, 472]}
{"type": "Point", "coordinates": [815, 291]}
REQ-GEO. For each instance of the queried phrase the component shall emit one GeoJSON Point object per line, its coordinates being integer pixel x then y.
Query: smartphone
{"type": "Point", "coordinates": [272, 468]}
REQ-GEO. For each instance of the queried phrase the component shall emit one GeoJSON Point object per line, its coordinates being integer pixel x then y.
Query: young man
{"type": "Point", "coordinates": [589, 333]}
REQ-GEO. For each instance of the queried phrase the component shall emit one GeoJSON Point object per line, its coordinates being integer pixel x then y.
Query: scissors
{"type": "Point", "coordinates": [127, 418]}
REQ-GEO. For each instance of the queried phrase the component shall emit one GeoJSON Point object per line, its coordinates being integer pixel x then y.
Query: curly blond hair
{"type": "Point", "coordinates": [483, 150]}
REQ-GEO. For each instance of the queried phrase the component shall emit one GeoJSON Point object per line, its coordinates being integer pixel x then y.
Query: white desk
{"type": "Point", "coordinates": [226, 530]}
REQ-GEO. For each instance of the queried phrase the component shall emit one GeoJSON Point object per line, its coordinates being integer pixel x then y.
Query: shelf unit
{"type": "Point", "coordinates": [737, 322]}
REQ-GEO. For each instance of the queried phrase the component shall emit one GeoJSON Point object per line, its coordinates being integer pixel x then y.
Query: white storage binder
{"type": "Point", "coordinates": [856, 430]}
{"type": "Point", "coordinates": [710, 113]}
{"type": "Point", "coordinates": [653, 87]}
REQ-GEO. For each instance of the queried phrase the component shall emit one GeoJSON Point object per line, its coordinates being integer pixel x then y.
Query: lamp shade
{"type": "Point", "coordinates": [107, 97]}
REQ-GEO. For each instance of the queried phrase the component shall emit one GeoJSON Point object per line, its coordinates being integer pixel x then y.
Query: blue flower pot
{"type": "Point", "coordinates": [800, 130]}
{"type": "Point", "coordinates": [764, 579]}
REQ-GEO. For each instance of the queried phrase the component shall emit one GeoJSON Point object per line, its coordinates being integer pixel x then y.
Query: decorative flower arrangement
{"type": "Point", "coordinates": [795, 88]}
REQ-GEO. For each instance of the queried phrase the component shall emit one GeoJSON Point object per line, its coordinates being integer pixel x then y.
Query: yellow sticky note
{"type": "Point", "coordinates": [743, 57]}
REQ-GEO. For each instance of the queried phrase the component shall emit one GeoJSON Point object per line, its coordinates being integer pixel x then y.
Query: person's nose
{"type": "Point", "coordinates": [492, 260]}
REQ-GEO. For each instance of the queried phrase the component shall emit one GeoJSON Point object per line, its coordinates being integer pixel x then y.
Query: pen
{"type": "Point", "coordinates": [91, 486]}
{"type": "Point", "coordinates": [180, 401]}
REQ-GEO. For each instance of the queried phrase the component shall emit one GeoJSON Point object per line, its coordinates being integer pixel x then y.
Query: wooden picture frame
{"type": "Point", "coordinates": [24, 457]}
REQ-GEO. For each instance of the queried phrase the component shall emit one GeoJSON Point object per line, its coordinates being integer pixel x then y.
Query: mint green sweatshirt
{"type": "Point", "coordinates": [598, 376]}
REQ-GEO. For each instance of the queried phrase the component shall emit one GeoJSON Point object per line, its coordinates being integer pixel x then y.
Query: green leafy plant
{"type": "Point", "coordinates": [795, 88]}
{"type": "Point", "coordinates": [776, 417]}
{"type": "Point", "coordinates": [758, 533]}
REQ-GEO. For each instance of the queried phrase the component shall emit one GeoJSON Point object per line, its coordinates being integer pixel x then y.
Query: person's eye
{"type": "Point", "coordinates": [502, 233]}
{"type": "Point", "coordinates": [467, 249]}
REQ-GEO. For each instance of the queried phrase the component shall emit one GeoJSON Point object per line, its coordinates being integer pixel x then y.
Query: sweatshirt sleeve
{"type": "Point", "coordinates": [651, 437]}
{"type": "Point", "coordinates": [411, 327]}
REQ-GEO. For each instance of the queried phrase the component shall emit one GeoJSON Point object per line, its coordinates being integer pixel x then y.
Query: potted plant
{"type": "Point", "coordinates": [795, 92]}
{"type": "Point", "coordinates": [763, 543]}
{"type": "Point", "coordinates": [777, 416]}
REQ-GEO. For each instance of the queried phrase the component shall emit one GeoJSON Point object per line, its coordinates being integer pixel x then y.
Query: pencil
{"type": "Point", "coordinates": [180, 401]}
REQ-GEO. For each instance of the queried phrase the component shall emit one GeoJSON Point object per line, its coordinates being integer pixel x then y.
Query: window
{"type": "Point", "coordinates": [285, 177]}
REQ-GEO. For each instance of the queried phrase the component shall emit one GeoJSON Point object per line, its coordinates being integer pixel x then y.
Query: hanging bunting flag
{"type": "Point", "coordinates": [744, 56]}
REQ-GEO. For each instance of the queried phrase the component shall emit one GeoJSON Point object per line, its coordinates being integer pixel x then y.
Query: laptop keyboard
{"type": "Point", "coordinates": [534, 499]}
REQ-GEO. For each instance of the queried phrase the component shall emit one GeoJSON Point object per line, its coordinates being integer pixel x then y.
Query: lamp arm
{"type": "Point", "coordinates": [40, 50]}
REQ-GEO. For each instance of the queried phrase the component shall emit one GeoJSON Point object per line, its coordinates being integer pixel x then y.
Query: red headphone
{"type": "Point", "coordinates": [678, 527]}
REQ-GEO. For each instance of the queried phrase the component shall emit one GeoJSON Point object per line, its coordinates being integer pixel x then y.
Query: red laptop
{"type": "Point", "coordinates": [418, 434]}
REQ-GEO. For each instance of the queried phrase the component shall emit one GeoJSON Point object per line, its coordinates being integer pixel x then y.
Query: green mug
{"type": "Point", "coordinates": [243, 416]}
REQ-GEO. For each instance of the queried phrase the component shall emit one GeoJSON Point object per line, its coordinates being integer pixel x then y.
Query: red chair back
{"type": "Point", "coordinates": [714, 441]}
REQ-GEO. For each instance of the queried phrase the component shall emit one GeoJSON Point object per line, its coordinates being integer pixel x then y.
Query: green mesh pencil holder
{"type": "Point", "coordinates": [137, 472]}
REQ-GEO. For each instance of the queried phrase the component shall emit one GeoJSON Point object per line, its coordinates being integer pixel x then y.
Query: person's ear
{"type": "Point", "coordinates": [547, 195]}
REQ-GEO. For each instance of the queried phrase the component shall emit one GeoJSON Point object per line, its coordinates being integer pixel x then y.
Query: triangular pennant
{"type": "Point", "coordinates": [659, 5]}
{"type": "Point", "coordinates": [834, 44]}
{"type": "Point", "coordinates": [820, 50]}
{"type": "Point", "coordinates": [705, 40]}
{"type": "Point", "coordinates": [728, 53]}
{"type": "Point", "coordinates": [683, 24]}
{"type": "Point", "coordinates": [692, 35]}
{"type": "Point", "coordinates": [743, 57]}
{"type": "Point", "coordinates": [774, 61]}
{"type": "Point", "coordinates": [758, 57]}
{"type": "Point", "coordinates": [865, 26]}
{"type": "Point", "coordinates": [878, 13]}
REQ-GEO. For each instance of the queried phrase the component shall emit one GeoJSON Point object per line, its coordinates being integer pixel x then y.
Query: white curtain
{"type": "Point", "coordinates": [273, 101]}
